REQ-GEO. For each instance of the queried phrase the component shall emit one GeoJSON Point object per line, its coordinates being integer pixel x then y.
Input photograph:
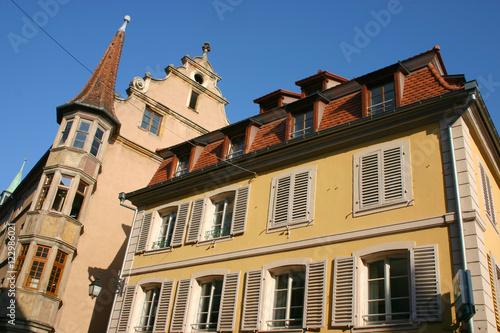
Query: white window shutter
{"type": "Point", "coordinates": [144, 234]}
{"type": "Point", "coordinates": [127, 302]}
{"type": "Point", "coordinates": [369, 175]}
{"type": "Point", "coordinates": [314, 309]}
{"type": "Point", "coordinates": [252, 300]}
{"type": "Point", "coordinates": [426, 283]}
{"type": "Point", "coordinates": [238, 225]}
{"type": "Point", "coordinates": [343, 296]}
{"type": "Point", "coordinates": [163, 309]}
{"type": "Point", "coordinates": [393, 186]}
{"type": "Point", "coordinates": [300, 196]}
{"type": "Point", "coordinates": [229, 299]}
{"type": "Point", "coordinates": [180, 224]}
{"type": "Point", "coordinates": [495, 287]}
{"type": "Point", "coordinates": [487, 194]}
{"type": "Point", "coordinates": [195, 221]}
{"type": "Point", "coordinates": [282, 195]}
{"type": "Point", "coordinates": [181, 306]}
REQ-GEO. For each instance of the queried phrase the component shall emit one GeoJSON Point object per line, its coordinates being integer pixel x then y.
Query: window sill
{"type": "Point", "coordinates": [215, 240]}
{"type": "Point", "coordinates": [286, 227]}
{"type": "Point", "coordinates": [386, 327]}
{"type": "Point", "coordinates": [376, 209]}
{"type": "Point", "coordinates": [157, 251]}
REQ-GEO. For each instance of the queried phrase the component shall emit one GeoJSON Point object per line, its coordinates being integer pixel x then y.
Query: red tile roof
{"type": "Point", "coordinates": [420, 84]}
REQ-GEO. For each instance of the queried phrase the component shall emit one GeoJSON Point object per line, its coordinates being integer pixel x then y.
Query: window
{"type": "Point", "coordinates": [45, 189]}
{"type": "Point", "coordinates": [489, 205]}
{"type": "Point", "coordinates": [65, 132]}
{"type": "Point", "coordinates": [150, 312]}
{"type": "Point", "coordinates": [37, 267]}
{"type": "Point", "coordinates": [56, 274]}
{"type": "Point", "coordinates": [388, 290]}
{"type": "Point", "coordinates": [302, 124]}
{"type": "Point", "coordinates": [167, 226]}
{"type": "Point", "coordinates": [99, 133]}
{"type": "Point", "coordinates": [151, 121]}
{"type": "Point", "coordinates": [208, 308]}
{"type": "Point", "coordinates": [222, 213]}
{"type": "Point", "coordinates": [295, 289]}
{"type": "Point", "coordinates": [396, 286]}
{"type": "Point", "coordinates": [81, 134]}
{"type": "Point", "coordinates": [382, 98]}
{"type": "Point", "coordinates": [206, 302]}
{"type": "Point", "coordinates": [164, 238]}
{"type": "Point", "coordinates": [288, 300]}
{"type": "Point", "coordinates": [78, 200]}
{"type": "Point", "coordinates": [61, 194]}
{"type": "Point", "coordinates": [198, 78]}
{"type": "Point", "coordinates": [149, 308]}
{"type": "Point", "coordinates": [221, 218]}
{"type": "Point", "coordinates": [182, 165]}
{"type": "Point", "coordinates": [236, 147]}
{"type": "Point", "coordinates": [20, 259]}
{"type": "Point", "coordinates": [382, 177]}
{"type": "Point", "coordinates": [193, 100]}
{"type": "Point", "coordinates": [292, 198]}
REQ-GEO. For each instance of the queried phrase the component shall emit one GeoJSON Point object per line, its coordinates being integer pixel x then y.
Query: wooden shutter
{"type": "Point", "coordinates": [195, 221]}
{"type": "Point", "coordinates": [343, 296]}
{"type": "Point", "coordinates": [393, 175]}
{"type": "Point", "coordinates": [163, 309]}
{"type": "Point", "coordinates": [314, 309]}
{"type": "Point", "coordinates": [282, 194]}
{"type": "Point", "coordinates": [227, 311]}
{"type": "Point", "coordinates": [126, 311]}
{"type": "Point", "coordinates": [487, 194]}
{"type": "Point", "coordinates": [427, 291]}
{"type": "Point", "coordinates": [300, 197]}
{"type": "Point", "coordinates": [252, 301]}
{"type": "Point", "coordinates": [181, 306]}
{"type": "Point", "coordinates": [495, 287]}
{"type": "Point", "coordinates": [180, 224]}
{"type": "Point", "coordinates": [369, 176]}
{"type": "Point", "coordinates": [238, 225]}
{"type": "Point", "coordinates": [144, 234]}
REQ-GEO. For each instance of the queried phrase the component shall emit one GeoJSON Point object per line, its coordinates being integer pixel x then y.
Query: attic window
{"type": "Point", "coordinates": [182, 165]}
{"type": "Point", "coordinates": [302, 124]}
{"type": "Point", "coordinates": [198, 78]}
{"type": "Point", "coordinates": [193, 100]}
{"type": "Point", "coordinates": [382, 98]}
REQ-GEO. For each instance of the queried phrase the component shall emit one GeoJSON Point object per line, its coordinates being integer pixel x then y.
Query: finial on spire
{"type": "Point", "coordinates": [206, 49]}
{"type": "Point", "coordinates": [124, 25]}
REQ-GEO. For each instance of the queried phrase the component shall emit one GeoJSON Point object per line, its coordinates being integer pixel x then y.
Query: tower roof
{"type": "Point", "coordinates": [98, 92]}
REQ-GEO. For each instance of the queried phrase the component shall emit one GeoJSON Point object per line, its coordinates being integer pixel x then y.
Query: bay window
{"type": "Point", "coordinates": [61, 194]}
{"type": "Point", "coordinates": [37, 267]}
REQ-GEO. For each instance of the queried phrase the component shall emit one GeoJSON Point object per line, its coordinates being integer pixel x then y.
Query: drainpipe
{"type": "Point", "coordinates": [457, 195]}
{"type": "Point", "coordinates": [122, 198]}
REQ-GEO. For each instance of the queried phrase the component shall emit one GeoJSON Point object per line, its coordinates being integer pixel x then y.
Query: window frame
{"type": "Point", "coordinates": [152, 308]}
{"type": "Point", "coordinates": [21, 258]}
{"type": "Point", "coordinates": [56, 273]}
{"type": "Point", "coordinates": [168, 233]}
{"type": "Point", "coordinates": [40, 259]}
{"type": "Point", "coordinates": [231, 152]}
{"type": "Point", "coordinates": [182, 166]}
{"type": "Point", "coordinates": [488, 199]}
{"type": "Point", "coordinates": [82, 132]}
{"type": "Point", "coordinates": [151, 121]}
{"type": "Point", "coordinates": [303, 131]}
{"type": "Point", "coordinates": [194, 99]}
{"type": "Point", "coordinates": [384, 105]}
{"type": "Point", "coordinates": [61, 188]}
{"type": "Point", "coordinates": [290, 205]}
{"type": "Point", "coordinates": [65, 132]}
{"type": "Point", "coordinates": [386, 197]}
{"type": "Point", "coordinates": [42, 197]}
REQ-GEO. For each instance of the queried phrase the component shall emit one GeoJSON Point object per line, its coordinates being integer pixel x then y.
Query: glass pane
{"type": "Point", "coordinates": [376, 269]}
{"type": "Point", "coordinates": [282, 281]}
{"type": "Point", "coordinates": [95, 147]}
{"type": "Point", "coordinates": [298, 279]}
{"type": "Point", "coordinates": [376, 289]}
{"type": "Point", "coordinates": [376, 307]}
{"type": "Point", "coordinates": [84, 126]}
{"type": "Point", "coordinates": [280, 299]}
{"type": "Point", "coordinates": [79, 140]}
{"type": "Point", "coordinates": [65, 181]}
{"type": "Point", "coordinates": [376, 91]}
{"type": "Point", "coordinates": [280, 314]}
{"type": "Point", "coordinates": [399, 267]}
{"type": "Point", "coordinates": [298, 297]}
{"type": "Point", "coordinates": [399, 287]}
{"type": "Point", "coordinates": [77, 206]}
{"type": "Point", "coordinates": [296, 313]}
{"type": "Point", "coordinates": [388, 87]}
{"type": "Point", "coordinates": [376, 99]}
{"type": "Point", "coordinates": [59, 199]}
{"type": "Point", "coordinates": [98, 134]}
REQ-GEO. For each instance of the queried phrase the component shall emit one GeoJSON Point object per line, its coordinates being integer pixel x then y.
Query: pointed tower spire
{"type": "Point", "coordinates": [98, 93]}
{"type": "Point", "coordinates": [15, 183]}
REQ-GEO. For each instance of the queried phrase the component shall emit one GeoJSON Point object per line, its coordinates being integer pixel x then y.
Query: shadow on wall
{"type": "Point", "coordinates": [104, 301]}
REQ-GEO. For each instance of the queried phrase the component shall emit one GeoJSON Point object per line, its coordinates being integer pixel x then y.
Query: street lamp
{"type": "Point", "coordinates": [95, 286]}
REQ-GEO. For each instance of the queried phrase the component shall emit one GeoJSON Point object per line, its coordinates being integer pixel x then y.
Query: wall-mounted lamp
{"type": "Point", "coordinates": [95, 286]}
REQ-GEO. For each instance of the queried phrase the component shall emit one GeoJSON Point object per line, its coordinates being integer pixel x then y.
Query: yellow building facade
{"type": "Point", "coordinates": [333, 209]}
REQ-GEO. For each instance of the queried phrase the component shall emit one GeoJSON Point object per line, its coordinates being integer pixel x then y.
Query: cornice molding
{"type": "Point", "coordinates": [138, 149]}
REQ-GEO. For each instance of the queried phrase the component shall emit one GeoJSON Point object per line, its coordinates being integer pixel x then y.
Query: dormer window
{"type": "Point", "coordinates": [382, 98]}
{"type": "Point", "coordinates": [151, 122]}
{"type": "Point", "coordinates": [236, 147]}
{"type": "Point", "coordinates": [302, 124]}
{"type": "Point", "coordinates": [182, 165]}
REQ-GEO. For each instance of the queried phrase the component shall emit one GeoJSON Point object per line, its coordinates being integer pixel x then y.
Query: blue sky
{"type": "Point", "coordinates": [256, 47]}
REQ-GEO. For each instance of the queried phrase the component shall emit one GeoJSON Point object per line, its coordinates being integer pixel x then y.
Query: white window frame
{"type": "Point", "coordinates": [379, 184]}
{"type": "Point", "coordinates": [350, 300]}
{"type": "Point", "coordinates": [290, 206]}
{"type": "Point", "coordinates": [166, 221]}
{"type": "Point", "coordinates": [232, 146]}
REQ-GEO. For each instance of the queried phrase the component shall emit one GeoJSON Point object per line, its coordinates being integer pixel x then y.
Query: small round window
{"type": "Point", "coordinates": [198, 78]}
